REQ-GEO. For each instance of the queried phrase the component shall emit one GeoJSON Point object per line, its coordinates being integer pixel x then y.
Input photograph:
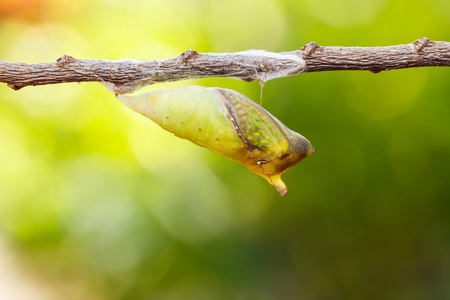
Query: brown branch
{"type": "Point", "coordinates": [125, 76]}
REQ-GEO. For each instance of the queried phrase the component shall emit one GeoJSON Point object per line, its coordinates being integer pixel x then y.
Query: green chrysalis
{"type": "Point", "coordinates": [227, 123]}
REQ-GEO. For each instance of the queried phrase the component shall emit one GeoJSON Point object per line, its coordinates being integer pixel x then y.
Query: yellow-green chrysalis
{"type": "Point", "coordinates": [228, 123]}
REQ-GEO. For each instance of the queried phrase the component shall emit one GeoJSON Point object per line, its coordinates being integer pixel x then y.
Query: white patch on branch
{"type": "Point", "coordinates": [289, 63]}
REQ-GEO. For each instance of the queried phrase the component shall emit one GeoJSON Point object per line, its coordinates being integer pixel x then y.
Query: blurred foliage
{"type": "Point", "coordinates": [106, 205]}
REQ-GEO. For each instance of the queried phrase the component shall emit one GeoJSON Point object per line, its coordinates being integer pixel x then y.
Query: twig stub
{"type": "Point", "coordinates": [420, 44]}
{"type": "Point", "coordinates": [309, 48]}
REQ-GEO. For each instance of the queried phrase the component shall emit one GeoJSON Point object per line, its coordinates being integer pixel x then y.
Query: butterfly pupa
{"type": "Point", "coordinates": [227, 123]}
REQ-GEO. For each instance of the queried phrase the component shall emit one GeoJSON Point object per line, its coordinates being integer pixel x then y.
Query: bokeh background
{"type": "Point", "coordinates": [97, 202]}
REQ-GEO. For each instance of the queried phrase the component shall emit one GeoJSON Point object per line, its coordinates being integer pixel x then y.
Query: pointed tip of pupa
{"type": "Point", "coordinates": [133, 102]}
{"type": "Point", "coordinates": [282, 190]}
{"type": "Point", "coordinates": [127, 100]}
{"type": "Point", "coordinates": [278, 184]}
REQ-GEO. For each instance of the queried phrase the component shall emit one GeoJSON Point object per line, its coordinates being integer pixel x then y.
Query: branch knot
{"type": "Point", "coordinates": [420, 44]}
{"type": "Point", "coordinates": [187, 55]}
{"type": "Point", "coordinates": [65, 60]}
{"type": "Point", "coordinates": [309, 48]}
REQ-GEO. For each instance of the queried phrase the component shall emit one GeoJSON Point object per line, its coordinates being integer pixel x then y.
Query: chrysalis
{"type": "Point", "coordinates": [227, 123]}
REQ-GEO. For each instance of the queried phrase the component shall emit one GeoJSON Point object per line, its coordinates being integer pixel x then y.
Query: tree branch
{"type": "Point", "coordinates": [125, 76]}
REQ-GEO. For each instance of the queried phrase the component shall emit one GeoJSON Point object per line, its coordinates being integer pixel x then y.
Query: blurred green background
{"type": "Point", "coordinates": [99, 203]}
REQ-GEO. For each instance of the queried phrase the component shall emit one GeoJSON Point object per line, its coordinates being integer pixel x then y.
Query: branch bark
{"type": "Point", "coordinates": [125, 76]}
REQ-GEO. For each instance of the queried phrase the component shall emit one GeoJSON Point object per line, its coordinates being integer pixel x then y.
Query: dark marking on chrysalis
{"type": "Point", "coordinates": [232, 118]}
